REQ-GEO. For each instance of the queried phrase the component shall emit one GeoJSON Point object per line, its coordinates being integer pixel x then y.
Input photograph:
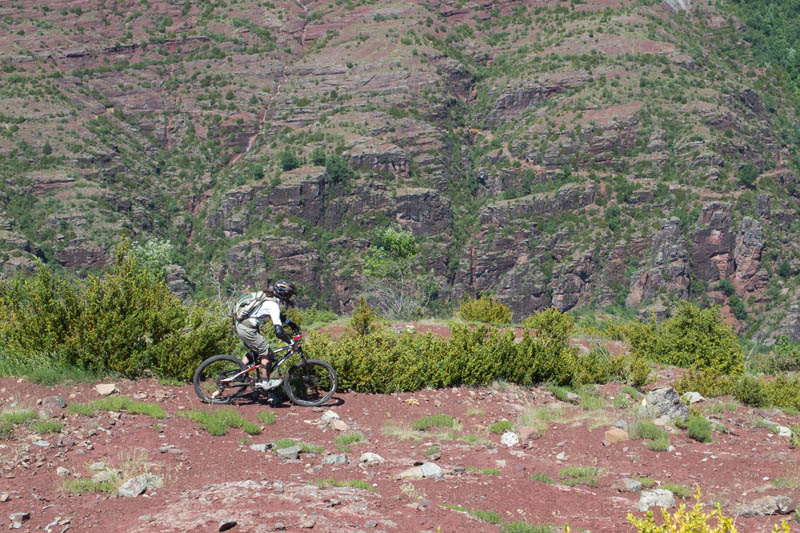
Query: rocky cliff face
{"type": "Point", "coordinates": [577, 156]}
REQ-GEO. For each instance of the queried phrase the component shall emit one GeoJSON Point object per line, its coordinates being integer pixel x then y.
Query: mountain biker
{"type": "Point", "coordinates": [278, 298]}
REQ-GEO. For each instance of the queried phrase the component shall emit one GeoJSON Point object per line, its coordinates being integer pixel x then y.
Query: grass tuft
{"type": "Point", "coordinates": [542, 478]}
{"type": "Point", "coordinates": [439, 420]}
{"type": "Point", "coordinates": [680, 491]}
{"type": "Point", "coordinates": [266, 417]}
{"type": "Point", "coordinates": [343, 442]}
{"type": "Point", "coordinates": [47, 426]}
{"type": "Point", "coordinates": [579, 475]}
{"type": "Point", "coordinates": [699, 428]}
{"type": "Point", "coordinates": [355, 483]}
{"type": "Point", "coordinates": [118, 403]}
{"type": "Point", "coordinates": [500, 426]}
{"type": "Point", "coordinates": [218, 421]}
{"type": "Point", "coordinates": [86, 485]}
{"type": "Point", "coordinates": [18, 416]}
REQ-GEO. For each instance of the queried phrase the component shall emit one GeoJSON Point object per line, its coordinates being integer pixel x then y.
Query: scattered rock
{"type": "Point", "coordinates": [41, 443]}
{"type": "Point", "coordinates": [615, 435]}
{"type": "Point", "coordinates": [769, 505]}
{"type": "Point", "coordinates": [573, 398]}
{"type": "Point", "coordinates": [4, 497]}
{"type": "Point", "coordinates": [424, 504]}
{"type": "Point", "coordinates": [17, 519]}
{"type": "Point", "coordinates": [62, 472]}
{"type": "Point", "coordinates": [106, 389]}
{"type": "Point", "coordinates": [369, 524]}
{"type": "Point", "coordinates": [664, 402]}
{"type": "Point", "coordinates": [340, 425]}
{"type": "Point", "coordinates": [335, 459]}
{"type": "Point", "coordinates": [692, 397]}
{"type": "Point", "coordinates": [627, 485]}
{"type": "Point", "coordinates": [225, 525]}
{"type": "Point", "coordinates": [431, 470]}
{"type": "Point", "coordinates": [509, 439]}
{"type": "Point", "coordinates": [415, 472]}
{"type": "Point", "coordinates": [287, 454]}
{"type": "Point", "coordinates": [307, 522]}
{"type": "Point", "coordinates": [655, 498]}
{"type": "Point", "coordinates": [139, 484]}
{"type": "Point", "coordinates": [370, 459]}
{"type": "Point", "coordinates": [328, 417]}
{"type": "Point", "coordinates": [783, 431]}
{"type": "Point", "coordinates": [527, 435]}
{"type": "Point", "coordinates": [54, 402]}
{"type": "Point", "coordinates": [97, 466]}
{"type": "Point", "coordinates": [261, 447]}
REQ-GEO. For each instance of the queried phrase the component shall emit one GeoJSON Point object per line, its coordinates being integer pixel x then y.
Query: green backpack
{"type": "Point", "coordinates": [248, 303]}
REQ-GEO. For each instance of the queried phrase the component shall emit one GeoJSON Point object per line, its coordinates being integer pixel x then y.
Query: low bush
{"type": "Point", "coordinates": [693, 338]}
{"type": "Point", "coordinates": [750, 391]}
{"type": "Point", "coordinates": [380, 360]}
{"type": "Point", "coordinates": [690, 520]}
{"type": "Point", "coordinates": [485, 309]}
{"type": "Point", "coordinates": [124, 321]}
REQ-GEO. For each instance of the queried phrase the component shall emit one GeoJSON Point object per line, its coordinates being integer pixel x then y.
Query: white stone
{"type": "Point", "coordinates": [105, 389]}
{"type": "Point", "coordinates": [371, 459]}
{"type": "Point", "coordinates": [509, 439]}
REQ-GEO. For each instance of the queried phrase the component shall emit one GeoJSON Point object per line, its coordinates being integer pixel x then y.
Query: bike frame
{"type": "Point", "coordinates": [292, 349]}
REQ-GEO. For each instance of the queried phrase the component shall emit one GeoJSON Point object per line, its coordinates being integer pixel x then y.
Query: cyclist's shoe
{"type": "Point", "coordinates": [269, 384]}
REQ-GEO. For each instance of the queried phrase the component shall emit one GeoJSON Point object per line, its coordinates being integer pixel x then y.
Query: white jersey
{"type": "Point", "coordinates": [270, 309]}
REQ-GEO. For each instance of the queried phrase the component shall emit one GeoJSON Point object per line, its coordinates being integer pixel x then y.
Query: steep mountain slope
{"type": "Point", "coordinates": [578, 154]}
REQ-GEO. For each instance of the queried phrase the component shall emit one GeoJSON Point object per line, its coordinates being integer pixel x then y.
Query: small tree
{"type": "Point", "coordinates": [288, 160]}
{"type": "Point", "coordinates": [392, 285]}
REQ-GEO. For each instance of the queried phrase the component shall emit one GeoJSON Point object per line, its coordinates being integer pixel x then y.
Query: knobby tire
{"type": "Point", "coordinates": [207, 379]}
{"type": "Point", "coordinates": [310, 383]}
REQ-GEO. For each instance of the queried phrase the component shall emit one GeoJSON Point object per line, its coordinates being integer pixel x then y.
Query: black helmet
{"type": "Point", "coordinates": [284, 289]}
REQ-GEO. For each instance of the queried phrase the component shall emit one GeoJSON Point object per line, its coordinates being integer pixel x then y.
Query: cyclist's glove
{"type": "Point", "coordinates": [294, 326]}
{"type": "Point", "coordinates": [282, 335]}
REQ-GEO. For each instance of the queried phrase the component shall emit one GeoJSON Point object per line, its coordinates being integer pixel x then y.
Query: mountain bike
{"type": "Point", "coordinates": [221, 379]}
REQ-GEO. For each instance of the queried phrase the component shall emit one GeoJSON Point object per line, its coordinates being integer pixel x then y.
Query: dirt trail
{"type": "Point", "coordinates": [214, 480]}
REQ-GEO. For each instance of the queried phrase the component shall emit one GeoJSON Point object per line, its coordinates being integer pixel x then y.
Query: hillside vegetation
{"type": "Point", "coordinates": [575, 155]}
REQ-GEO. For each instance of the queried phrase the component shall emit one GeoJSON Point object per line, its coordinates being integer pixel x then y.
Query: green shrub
{"type": "Point", "coordinates": [693, 338]}
{"type": "Point", "coordinates": [382, 361]}
{"type": "Point", "coordinates": [683, 520]}
{"type": "Point", "coordinates": [784, 392]}
{"type": "Point", "coordinates": [485, 309]}
{"type": "Point", "coordinates": [750, 391]}
{"type": "Point", "coordinates": [364, 320]}
{"type": "Point", "coordinates": [124, 321]}
{"type": "Point", "coordinates": [699, 428]}
{"type": "Point", "coordinates": [708, 382]}
{"type": "Point", "coordinates": [544, 353]}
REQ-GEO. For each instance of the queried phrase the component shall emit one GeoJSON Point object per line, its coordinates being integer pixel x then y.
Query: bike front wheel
{"type": "Point", "coordinates": [310, 382]}
{"type": "Point", "coordinates": [212, 379]}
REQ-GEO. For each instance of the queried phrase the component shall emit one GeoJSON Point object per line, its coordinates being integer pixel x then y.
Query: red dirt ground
{"type": "Point", "coordinates": [210, 480]}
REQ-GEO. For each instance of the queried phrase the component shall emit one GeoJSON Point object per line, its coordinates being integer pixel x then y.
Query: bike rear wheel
{"type": "Point", "coordinates": [310, 382]}
{"type": "Point", "coordinates": [210, 379]}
